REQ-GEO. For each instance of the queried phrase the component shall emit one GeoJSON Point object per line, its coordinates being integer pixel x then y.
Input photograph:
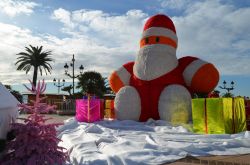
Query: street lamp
{"type": "Point", "coordinates": [66, 67]}
{"type": "Point", "coordinates": [58, 85]}
{"type": "Point", "coordinates": [227, 88]}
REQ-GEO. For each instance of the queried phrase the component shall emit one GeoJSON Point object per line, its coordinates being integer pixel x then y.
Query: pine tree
{"type": "Point", "coordinates": [35, 142]}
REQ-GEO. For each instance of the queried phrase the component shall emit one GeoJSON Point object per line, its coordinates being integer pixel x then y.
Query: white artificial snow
{"type": "Point", "coordinates": [152, 142]}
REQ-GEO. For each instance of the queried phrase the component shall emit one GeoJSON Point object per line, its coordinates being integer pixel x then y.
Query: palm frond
{"type": "Point", "coordinates": [29, 50]}
{"type": "Point", "coordinates": [34, 57]}
{"type": "Point", "coordinates": [40, 70]}
{"type": "Point", "coordinates": [27, 68]}
{"type": "Point", "coordinates": [23, 54]}
{"type": "Point", "coordinates": [48, 64]}
{"type": "Point", "coordinates": [40, 49]}
{"type": "Point", "coordinates": [46, 68]}
{"type": "Point", "coordinates": [22, 65]}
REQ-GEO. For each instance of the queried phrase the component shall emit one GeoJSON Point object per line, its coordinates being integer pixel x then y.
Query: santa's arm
{"type": "Point", "coordinates": [200, 76]}
{"type": "Point", "coordinates": [121, 77]}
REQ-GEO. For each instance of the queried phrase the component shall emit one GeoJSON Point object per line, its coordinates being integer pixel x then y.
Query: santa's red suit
{"type": "Point", "coordinates": [158, 85]}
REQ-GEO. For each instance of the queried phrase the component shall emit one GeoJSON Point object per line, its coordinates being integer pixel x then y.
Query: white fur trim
{"type": "Point", "coordinates": [175, 104]}
{"type": "Point", "coordinates": [191, 69]}
{"type": "Point", "coordinates": [124, 75]}
{"type": "Point", "coordinates": [153, 61]}
{"type": "Point", "coordinates": [159, 31]}
{"type": "Point", "coordinates": [128, 104]}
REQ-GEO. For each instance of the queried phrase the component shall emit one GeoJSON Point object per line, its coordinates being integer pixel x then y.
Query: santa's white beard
{"type": "Point", "coordinates": [153, 61]}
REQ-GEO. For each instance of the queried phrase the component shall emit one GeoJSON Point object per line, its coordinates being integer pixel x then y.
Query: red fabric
{"type": "Point", "coordinates": [159, 20]}
{"type": "Point", "coordinates": [129, 66]}
{"type": "Point", "coordinates": [185, 61]}
{"type": "Point", "coordinates": [248, 112]}
{"type": "Point", "coordinates": [213, 95]}
{"type": "Point", "coordinates": [150, 91]}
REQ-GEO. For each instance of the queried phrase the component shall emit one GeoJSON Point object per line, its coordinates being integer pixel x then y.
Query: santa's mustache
{"type": "Point", "coordinates": [153, 61]}
{"type": "Point", "coordinates": [156, 49]}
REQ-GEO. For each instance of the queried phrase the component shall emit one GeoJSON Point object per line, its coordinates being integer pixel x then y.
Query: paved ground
{"type": "Point", "coordinates": [54, 118]}
{"type": "Point", "coordinates": [215, 160]}
{"type": "Point", "coordinates": [208, 160]}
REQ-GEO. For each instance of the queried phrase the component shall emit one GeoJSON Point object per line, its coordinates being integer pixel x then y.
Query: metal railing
{"type": "Point", "coordinates": [62, 105]}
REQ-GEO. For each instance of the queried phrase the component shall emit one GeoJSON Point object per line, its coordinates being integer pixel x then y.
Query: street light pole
{"type": "Point", "coordinates": [227, 88]}
{"type": "Point", "coordinates": [58, 85]}
{"type": "Point", "coordinates": [73, 71]}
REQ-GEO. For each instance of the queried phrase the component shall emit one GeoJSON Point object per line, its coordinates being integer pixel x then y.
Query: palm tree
{"type": "Point", "coordinates": [92, 82]}
{"type": "Point", "coordinates": [36, 58]}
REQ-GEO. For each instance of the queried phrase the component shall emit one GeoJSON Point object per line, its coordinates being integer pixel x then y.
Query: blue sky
{"type": "Point", "coordinates": [104, 34]}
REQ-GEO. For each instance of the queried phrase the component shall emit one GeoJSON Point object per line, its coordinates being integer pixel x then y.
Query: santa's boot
{"type": "Point", "coordinates": [175, 104]}
{"type": "Point", "coordinates": [128, 104]}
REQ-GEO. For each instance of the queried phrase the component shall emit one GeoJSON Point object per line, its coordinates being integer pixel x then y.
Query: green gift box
{"type": "Point", "coordinates": [218, 115]}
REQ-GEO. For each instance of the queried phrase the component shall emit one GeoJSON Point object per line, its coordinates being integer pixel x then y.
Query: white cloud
{"type": "Point", "coordinates": [174, 4]}
{"type": "Point", "coordinates": [118, 30]}
{"type": "Point", "coordinates": [101, 49]}
{"type": "Point", "coordinates": [218, 33]}
{"type": "Point", "coordinates": [208, 29]}
{"type": "Point", "coordinates": [15, 7]}
{"type": "Point", "coordinates": [102, 41]}
{"type": "Point", "coordinates": [63, 16]}
{"type": "Point", "coordinates": [13, 40]}
{"type": "Point", "coordinates": [87, 15]}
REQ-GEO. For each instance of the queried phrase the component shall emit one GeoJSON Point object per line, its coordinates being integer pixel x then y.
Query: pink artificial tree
{"type": "Point", "coordinates": [35, 142]}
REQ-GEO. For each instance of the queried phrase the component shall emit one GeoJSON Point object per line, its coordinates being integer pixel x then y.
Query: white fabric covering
{"type": "Point", "coordinates": [191, 70]}
{"type": "Point", "coordinates": [153, 61]}
{"type": "Point", "coordinates": [153, 142]}
{"type": "Point", "coordinates": [127, 104]}
{"type": "Point", "coordinates": [175, 104]}
{"type": "Point", "coordinates": [124, 75]}
{"type": "Point", "coordinates": [8, 110]}
{"type": "Point", "coordinates": [160, 31]}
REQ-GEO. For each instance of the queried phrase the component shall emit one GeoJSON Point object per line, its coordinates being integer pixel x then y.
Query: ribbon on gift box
{"type": "Point", "coordinates": [218, 115]}
{"type": "Point", "coordinates": [88, 110]}
{"type": "Point", "coordinates": [234, 116]}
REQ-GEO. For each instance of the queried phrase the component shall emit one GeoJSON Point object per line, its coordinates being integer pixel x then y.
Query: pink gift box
{"type": "Point", "coordinates": [88, 110]}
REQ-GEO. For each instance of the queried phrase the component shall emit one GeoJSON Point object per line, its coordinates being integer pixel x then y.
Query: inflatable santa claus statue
{"type": "Point", "coordinates": [157, 85]}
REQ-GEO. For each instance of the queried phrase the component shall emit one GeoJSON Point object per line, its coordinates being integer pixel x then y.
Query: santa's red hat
{"type": "Point", "coordinates": [159, 29]}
